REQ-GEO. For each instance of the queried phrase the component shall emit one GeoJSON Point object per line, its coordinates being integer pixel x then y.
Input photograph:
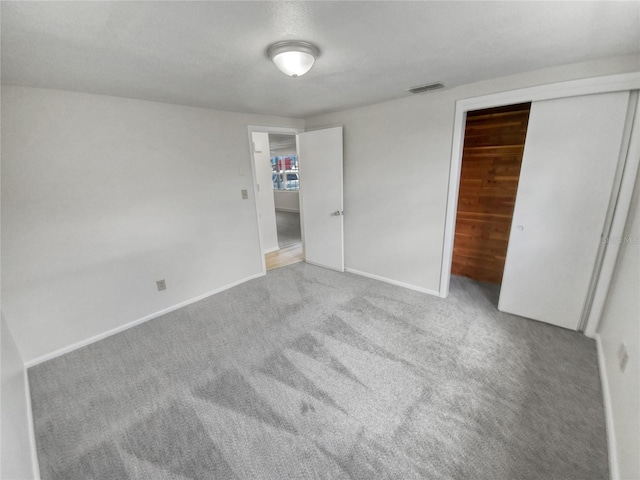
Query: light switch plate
{"type": "Point", "coordinates": [245, 194]}
{"type": "Point", "coordinates": [161, 284]}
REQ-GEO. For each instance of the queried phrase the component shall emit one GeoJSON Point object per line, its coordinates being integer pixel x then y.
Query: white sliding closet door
{"type": "Point", "coordinates": [568, 168]}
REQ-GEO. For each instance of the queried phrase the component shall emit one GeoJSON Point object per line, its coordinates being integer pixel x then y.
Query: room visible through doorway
{"type": "Point", "coordinates": [286, 191]}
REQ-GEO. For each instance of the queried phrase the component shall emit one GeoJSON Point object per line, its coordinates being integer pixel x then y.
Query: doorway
{"type": "Point", "coordinates": [491, 160]}
{"type": "Point", "coordinates": [285, 177]}
{"type": "Point", "coordinates": [320, 194]}
{"type": "Point", "coordinates": [286, 188]}
{"type": "Point", "coordinates": [263, 183]}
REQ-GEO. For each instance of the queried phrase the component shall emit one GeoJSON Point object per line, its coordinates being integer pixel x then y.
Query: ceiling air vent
{"type": "Point", "coordinates": [426, 88]}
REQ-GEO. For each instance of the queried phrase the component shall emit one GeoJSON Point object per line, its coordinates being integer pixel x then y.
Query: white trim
{"type": "Point", "coordinates": [614, 473]}
{"type": "Point", "coordinates": [572, 88]}
{"type": "Point", "coordinates": [566, 89]}
{"type": "Point", "coordinates": [263, 129]}
{"type": "Point", "coordinates": [271, 250]}
{"type": "Point", "coordinates": [129, 325]}
{"type": "Point", "coordinates": [616, 229]}
{"type": "Point", "coordinates": [392, 282]}
{"type": "Point", "coordinates": [274, 129]}
{"type": "Point", "coordinates": [323, 266]}
{"type": "Point", "coordinates": [452, 202]}
{"type": "Point", "coordinates": [35, 466]}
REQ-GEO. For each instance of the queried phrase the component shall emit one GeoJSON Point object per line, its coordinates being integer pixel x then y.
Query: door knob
{"type": "Point", "coordinates": [337, 213]}
{"type": "Point", "coordinates": [520, 227]}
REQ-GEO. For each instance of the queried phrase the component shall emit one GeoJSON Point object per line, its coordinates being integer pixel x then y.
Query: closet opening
{"type": "Point", "coordinates": [494, 141]}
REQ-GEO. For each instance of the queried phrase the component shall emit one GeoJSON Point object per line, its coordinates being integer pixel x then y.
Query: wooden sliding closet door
{"type": "Point", "coordinates": [493, 145]}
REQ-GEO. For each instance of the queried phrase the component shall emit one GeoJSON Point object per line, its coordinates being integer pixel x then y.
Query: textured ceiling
{"type": "Point", "coordinates": [212, 54]}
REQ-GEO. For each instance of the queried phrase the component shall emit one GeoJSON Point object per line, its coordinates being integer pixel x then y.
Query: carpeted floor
{"type": "Point", "coordinates": [288, 225]}
{"type": "Point", "coordinates": [308, 374]}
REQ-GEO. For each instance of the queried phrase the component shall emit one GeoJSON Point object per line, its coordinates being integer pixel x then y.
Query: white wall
{"type": "Point", "coordinates": [396, 171]}
{"type": "Point", "coordinates": [102, 196]}
{"type": "Point", "coordinates": [16, 451]}
{"type": "Point", "coordinates": [287, 200]}
{"type": "Point", "coordinates": [266, 204]}
{"type": "Point", "coordinates": [283, 152]}
{"type": "Point", "coordinates": [621, 323]}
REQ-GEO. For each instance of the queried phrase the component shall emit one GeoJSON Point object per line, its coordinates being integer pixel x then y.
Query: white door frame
{"type": "Point", "coordinates": [263, 129]}
{"type": "Point", "coordinates": [587, 86]}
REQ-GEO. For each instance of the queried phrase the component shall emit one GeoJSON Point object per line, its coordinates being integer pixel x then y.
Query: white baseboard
{"type": "Point", "coordinates": [271, 250]}
{"type": "Point", "coordinates": [280, 209]}
{"type": "Point", "coordinates": [323, 266]}
{"type": "Point", "coordinates": [129, 325]}
{"type": "Point", "coordinates": [614, 474]}
{"type": "Point", "coordinates": [393, 282]}
{"type": "Point", "coordinates": [35, 466]}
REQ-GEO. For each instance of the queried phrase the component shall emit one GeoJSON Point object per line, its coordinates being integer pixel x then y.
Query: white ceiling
{"type": "Point", "coordinates": [212, 54]}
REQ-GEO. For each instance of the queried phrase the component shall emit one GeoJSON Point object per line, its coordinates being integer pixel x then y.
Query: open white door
{"type": "Point", "coordinates": [320, 157]}
{"type": "Point", "coordinates": [568, 169]}
{"type": "Point", "coordinates": [264, 186]}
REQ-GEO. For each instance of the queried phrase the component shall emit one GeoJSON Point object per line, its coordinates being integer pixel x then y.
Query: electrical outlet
{"type": "Point", "coordinates": [623, 357]}
{"type": "Point", "coordinates": [245, 194]}
{"type": "Point", "coordinates": [162, 285]}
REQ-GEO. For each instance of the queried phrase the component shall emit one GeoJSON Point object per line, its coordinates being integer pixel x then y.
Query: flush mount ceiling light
{"type": "Point", "coordinates": [293, 58]}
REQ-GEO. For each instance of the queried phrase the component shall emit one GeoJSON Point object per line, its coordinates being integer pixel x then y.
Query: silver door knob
{"type": "Point", "coordinates": [520, 227]}
{"type": "Point", "coordinates": [337, 213]}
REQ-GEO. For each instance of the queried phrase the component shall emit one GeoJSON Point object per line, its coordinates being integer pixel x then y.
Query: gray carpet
{"type": "Point", "coordinates": [311, 374]}
{"type": "Point", "coordinates": [288, 225]}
